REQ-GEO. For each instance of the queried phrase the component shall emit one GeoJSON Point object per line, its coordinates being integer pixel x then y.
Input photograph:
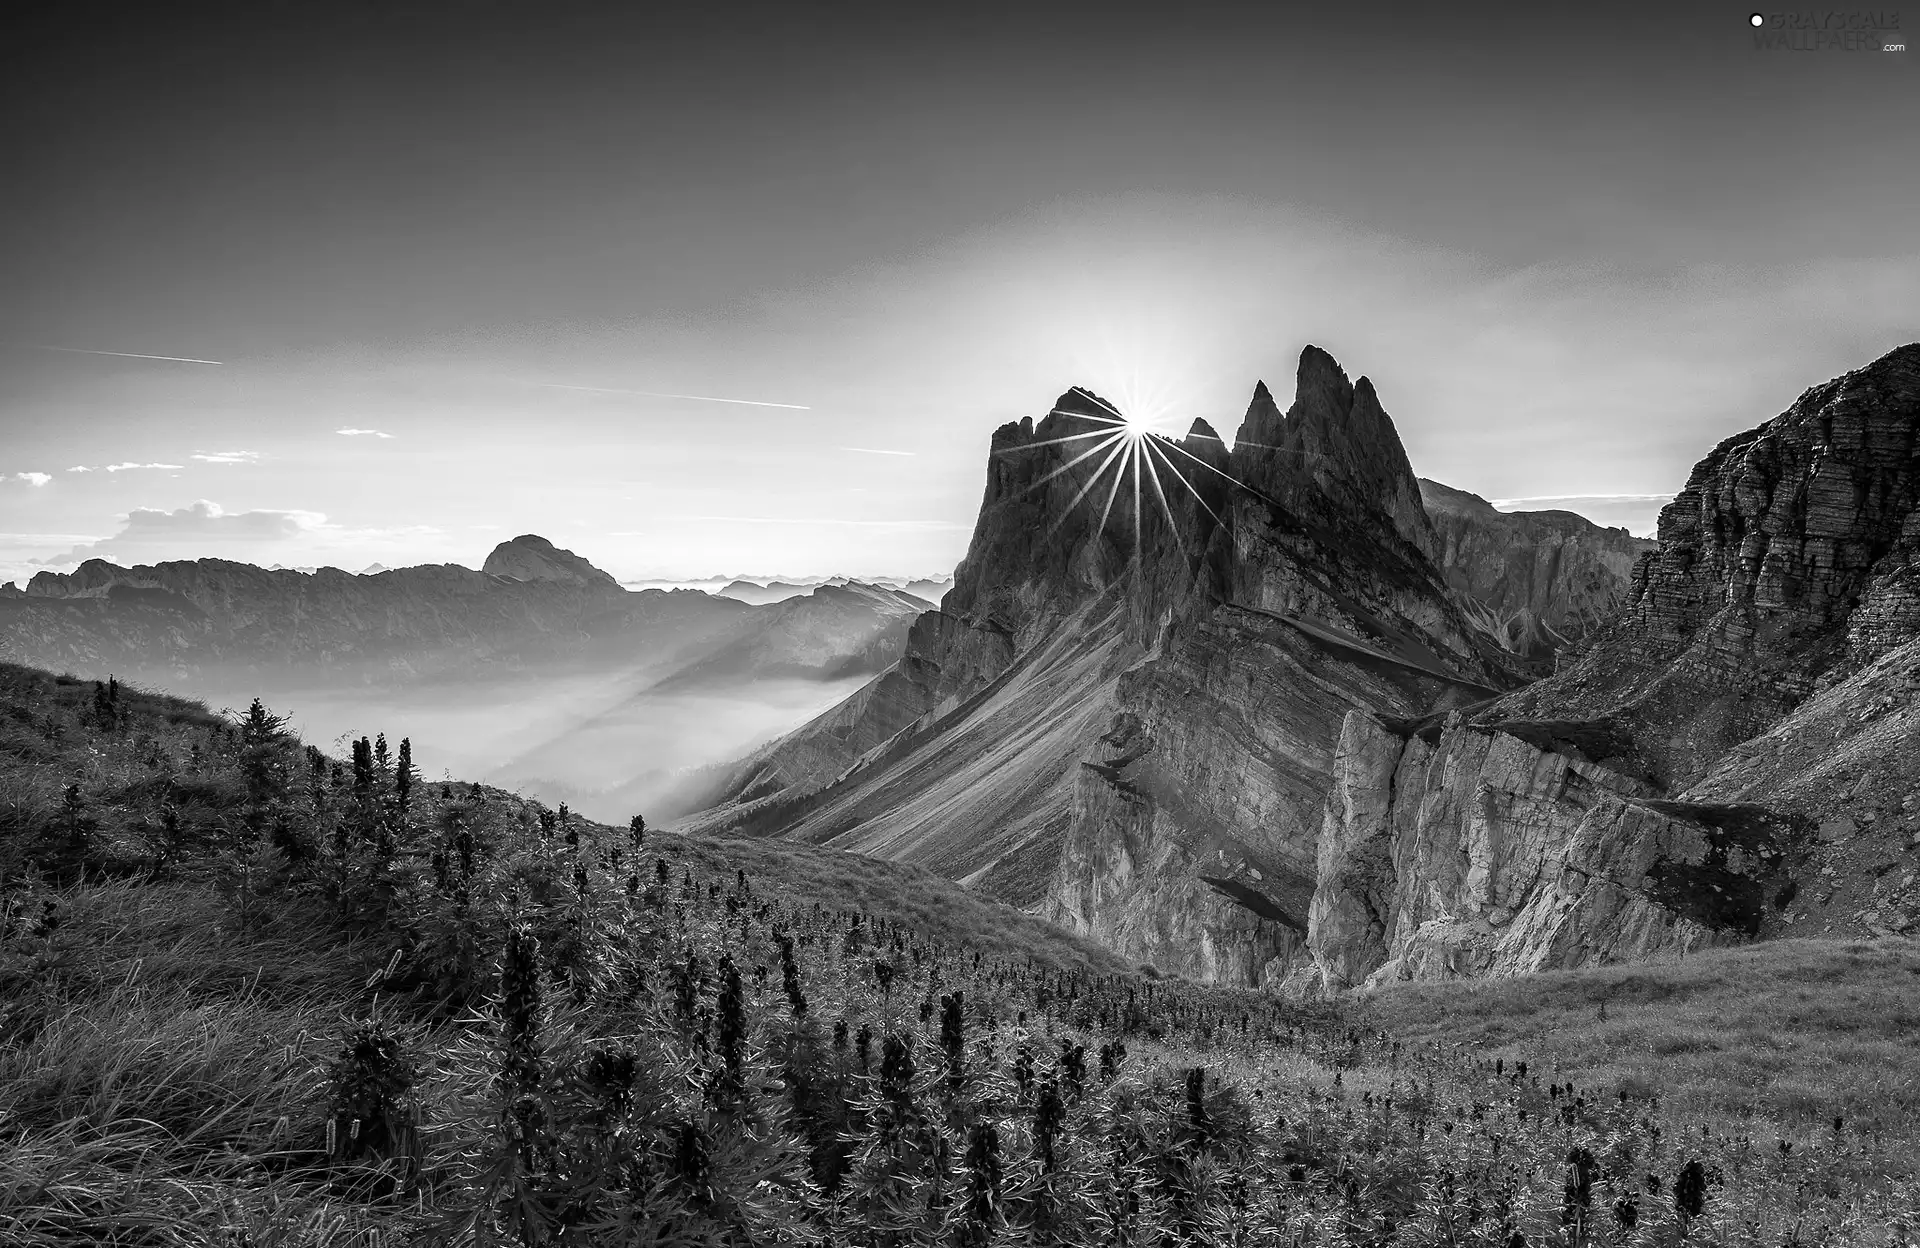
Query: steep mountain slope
{"type": "Point", "coordinates": [1740, 740]}
{"type": "Point", "coordinates": [1535, 580]}
{"type": "Point", "coordinates": [1124, 712]}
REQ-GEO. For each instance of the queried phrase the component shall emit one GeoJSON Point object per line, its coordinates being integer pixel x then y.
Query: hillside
{"type": "Point", "coordinates": [256, 994]}
{"type": "Point", "coordinates": [1788, 1031]}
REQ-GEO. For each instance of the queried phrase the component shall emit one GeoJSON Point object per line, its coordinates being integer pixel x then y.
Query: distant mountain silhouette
{"type": "Point", "coordinates": [1537, 580]}
{"type": "Point", "coordinates": [532, 608]}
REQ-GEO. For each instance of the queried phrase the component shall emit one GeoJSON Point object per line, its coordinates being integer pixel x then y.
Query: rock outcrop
{"type": "Point", "coordinates": [531, 557]}
{"type": "Point", "coordinates": [1654, 793]}
{"type": "Point", "coordinates": [1536, 581]}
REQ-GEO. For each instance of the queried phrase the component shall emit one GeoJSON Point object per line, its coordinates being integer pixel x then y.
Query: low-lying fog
{"type": "Point", "coordinates": [569, 739]}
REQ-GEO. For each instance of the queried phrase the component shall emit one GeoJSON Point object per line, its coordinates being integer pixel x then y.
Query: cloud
{"type": "Point", "coordinates": [150, 533]}
{"type": "Point", "coordinates": [869, 450]}
{"type": "Point", "coordinates": [227, 457]}
{"type": "Point", "coordinates": [126, 467]}
{"type": "Point", "coordinates": [35, 479]}
{"type": "Point", "coordinates": [362, 433]}
{"type": "Point", "coordinates": [206, 530]}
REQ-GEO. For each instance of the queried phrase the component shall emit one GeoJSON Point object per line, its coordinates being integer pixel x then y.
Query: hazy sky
{"type": "Point", "coordinates": [1574, 246]}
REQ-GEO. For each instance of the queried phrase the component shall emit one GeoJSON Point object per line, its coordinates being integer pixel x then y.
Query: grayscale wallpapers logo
{"type": "Point", "coordinates": [1832, 30]}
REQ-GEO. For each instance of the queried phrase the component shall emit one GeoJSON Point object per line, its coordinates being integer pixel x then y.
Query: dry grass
{"type": "Point", "coordinates": [158, 1068]}
{"type": "Point", "coordinates": [939, 909]}
{"type": "Point", "coordinates": [1792, 1031]}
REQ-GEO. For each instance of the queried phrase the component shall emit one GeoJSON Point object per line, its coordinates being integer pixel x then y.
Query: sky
{"type": "Point", "coordinates": [748, 292]}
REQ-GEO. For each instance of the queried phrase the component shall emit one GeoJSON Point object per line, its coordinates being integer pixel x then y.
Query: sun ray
{"type": "Point", "coordinates": [1181, 477]}
{"type": "Point", "coordinates": [1262, 495]}
{"type": "Point", "coordinates": [1135, 448]}
{"type": "Point", "coordinates": [1084, 455]}
{"type": "Point", "coordinates": [1112, 493]}
{"type": "Point", "coordinates": [1093, 479]}
{"type": "Point", "coordinates": [1071, 437]}
{"type": "Point", "coordinates": [1115, 419]}
{"type": "Point", "coordinates": [1153, 474]}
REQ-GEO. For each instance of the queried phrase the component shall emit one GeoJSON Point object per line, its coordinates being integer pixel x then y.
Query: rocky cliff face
{"type": "Point", "coordinates": [1668, 786]}
{"type": "Point", "coordinates": [1124, 713]}
{"type": "Point", "coordinates": [1536, 581]}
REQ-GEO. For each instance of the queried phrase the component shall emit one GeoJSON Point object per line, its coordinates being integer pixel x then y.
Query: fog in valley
{"type": "Point", "coordinates": [609, 750]}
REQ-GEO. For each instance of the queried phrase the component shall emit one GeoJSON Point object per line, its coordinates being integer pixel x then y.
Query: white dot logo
{"type": "Point", "coordinates": [1756, 20]}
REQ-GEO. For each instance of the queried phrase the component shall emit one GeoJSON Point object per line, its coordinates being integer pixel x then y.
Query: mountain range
{"type": "Point", "coordinates": [776, 590]}
{"type": "Point", "coordinates": [1288, 716]}
{"type": "Point", "coordinates": [538, 669]}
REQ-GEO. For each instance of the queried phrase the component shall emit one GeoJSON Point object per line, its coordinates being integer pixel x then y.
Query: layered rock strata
{"type": "Point", "coordinates": [1651, 795]}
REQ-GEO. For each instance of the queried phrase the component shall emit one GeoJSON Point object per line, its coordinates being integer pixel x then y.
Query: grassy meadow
{"type": "Point", "coordinates": [253, 994]}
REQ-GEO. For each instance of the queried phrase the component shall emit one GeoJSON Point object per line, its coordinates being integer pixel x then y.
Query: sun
{"type": "Point", "coordinates": [1127, 452]}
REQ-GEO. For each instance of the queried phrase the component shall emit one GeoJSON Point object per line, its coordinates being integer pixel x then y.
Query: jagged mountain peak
{"type": "Point", "coordinates": [1321, 389]}
{"type": "Point", "coordinates": [1201, 431]}
{"type": "Point", "coordinates": [1337, 441]}
{"type": "Point", "coordinates": [531, 557]}
{"type": "Point", "coordinates": [1079, 400]}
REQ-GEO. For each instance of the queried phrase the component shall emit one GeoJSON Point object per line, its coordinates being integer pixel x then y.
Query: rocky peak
{"type": "Point", "coordinates": [531, 557]}
{"type": "Point", "coordinates": [1790, 560]}
{"type": "Point", "coordinates": [1336, 442]}
{"type": "Point", "coordinates": [1796, 546]}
